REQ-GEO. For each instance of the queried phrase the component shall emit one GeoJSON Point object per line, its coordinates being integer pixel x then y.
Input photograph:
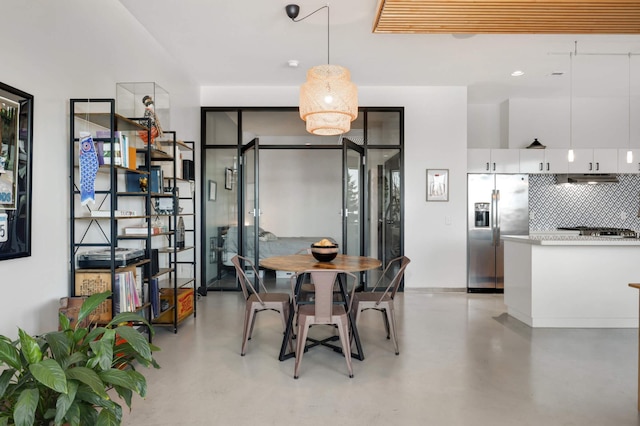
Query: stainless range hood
{"type": "Point", "coordinates": [587, 178]}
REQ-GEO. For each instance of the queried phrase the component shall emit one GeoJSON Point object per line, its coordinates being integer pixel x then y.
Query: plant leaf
{"type": "Point", "coordinates": [91, 304]}
{"type": "Point", "coordinates": [75, 358]}
{"type": "Point", "coordinates": [107, 418]}
{"type": "Point", "coordinates": [64, 322]}
{"type": "Point", "coordinates": [125, 394]}
{"type": "Point", "coordinates": [88, 377]}
{"type": "Point", "coordinates": [79, 333]}
{"type": "Point", "coordinates": [9, 355]}
{"type": "Point", "coordinates": [60, 345]}
{"type": "Point", "coordinates": [5, 379]}
{"type": "Point", "coordinates": [30, 348]}
{"type": "Point", "coordinates": [103, 354]}
{"type": "Point", "coordinates": [120, 378]}
{"type": "Point", "coordinates": [49, 373]}
{"type": "Point", "coordinates": [25, 408]}
{"type": "Point", "coordinates": [64, 402]}
{"type": "Point", "coordinates": [136, 340]}
{"type": "Point", "coordinates": [4, 421]}
{"type": "Point", "coordinates": [73, 414]}
{"type": "Point", "coordinates": [140, 381]}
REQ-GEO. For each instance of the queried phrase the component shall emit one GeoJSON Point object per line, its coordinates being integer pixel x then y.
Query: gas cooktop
{"type": "Point", "coordinates": [602, 231]}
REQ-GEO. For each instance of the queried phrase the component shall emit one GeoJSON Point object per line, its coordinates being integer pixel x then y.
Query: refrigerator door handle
{"type": "Point", "coordinates": [495, 227]}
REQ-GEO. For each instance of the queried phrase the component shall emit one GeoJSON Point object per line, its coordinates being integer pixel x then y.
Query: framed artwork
{"type": "Point", "coordinates": [437, 184]}
{"type": "Point", "coordinates": [16, 144]}
{"type": "Point", "coordinates": [213, 190]}
{"type": "Point", "coordinates": [228, 178]}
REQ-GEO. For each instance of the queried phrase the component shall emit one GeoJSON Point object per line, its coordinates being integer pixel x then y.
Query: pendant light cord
{"type": "Point", "coordinates": [328, 27]}
{"type": "Point", "coordinates": [629, 90]}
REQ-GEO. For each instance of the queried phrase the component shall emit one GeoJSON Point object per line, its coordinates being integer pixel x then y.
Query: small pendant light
{"type": "Point", "coordinates": [571, 156]}
{"type": "Point", "coordinates": [629, 152]}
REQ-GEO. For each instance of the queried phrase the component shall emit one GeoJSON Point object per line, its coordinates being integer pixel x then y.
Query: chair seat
{"type": "Point", "coordinates": [270, 297]}
{"type": "Point", "coordinates": [337, 310]}
{"type": "Point", "coordinates": [371, 297]}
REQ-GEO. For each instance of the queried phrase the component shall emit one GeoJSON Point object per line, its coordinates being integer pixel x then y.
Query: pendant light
{"type": "Point", "coordinates": [570, 155]}
{"type": "Point", "coordinates": [629, 152]}
{"type": "Point", "coordinates": [328, 99]}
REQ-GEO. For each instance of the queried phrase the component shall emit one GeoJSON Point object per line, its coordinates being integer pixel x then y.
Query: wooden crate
{"type": "Point", "coordinates": [88, 283]}
{"type": "Point", "coordinates": [184, 305]}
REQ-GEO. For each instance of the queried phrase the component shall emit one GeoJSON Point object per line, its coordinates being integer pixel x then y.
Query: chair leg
{"type": "Point", "coordinates": [391, 319]}
{"type": "Point", "coordinates": [385, 319]}
{"type": "Point", "coordinates": [345, 339]}
{"type": "Point", "coordinates": [285, 317]}
{"type": "Point", "coordinates": [249, 317]}
{"type": "Point", "coordinates": [303, 330]}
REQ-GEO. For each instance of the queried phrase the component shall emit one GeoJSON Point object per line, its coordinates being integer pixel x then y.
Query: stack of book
{"type": "Point", "coordinates": [125, 295]}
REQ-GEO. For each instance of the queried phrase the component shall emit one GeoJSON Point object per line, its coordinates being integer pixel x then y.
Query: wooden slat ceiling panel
{"type": "Point", "coordinates": [508, 16]}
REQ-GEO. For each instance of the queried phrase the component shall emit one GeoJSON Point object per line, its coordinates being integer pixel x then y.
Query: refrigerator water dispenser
{"type": "Point", "coordinates": [481, 215]}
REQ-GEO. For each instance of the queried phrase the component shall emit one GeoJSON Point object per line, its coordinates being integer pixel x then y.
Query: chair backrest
{"type": "Point", "coordinates": [245, 283]}
{"type": "Point", "coordinates": [392, 288]}
{"type": "Point", "coordinates": [324, 281]}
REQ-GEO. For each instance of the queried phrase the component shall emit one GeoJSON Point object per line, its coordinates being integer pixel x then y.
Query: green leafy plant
{"type": "Point", "coordinates": [62, 377]}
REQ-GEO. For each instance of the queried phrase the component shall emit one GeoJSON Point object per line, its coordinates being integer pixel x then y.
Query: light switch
{"type": "Point", "coordinates": [447, 220]}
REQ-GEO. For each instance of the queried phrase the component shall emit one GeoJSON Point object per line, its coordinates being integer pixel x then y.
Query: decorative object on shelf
{"type": "Point", "coordinates": [180, 234]}
{"type": "Point", "coordinates": [437, 184]}
{"type": "Point", "coordinates": [328, 99]}
{"type": "Point", "coordinates": [154, 122]}
{"type": "Point", "coordinates": [88, 159]}
{"type": "Point", "coordinates": [536, 145]}
{"type": "Point", "coordinates": [213, 190]}
{"type": "Point", "coordinates": [16, 145]}
{"type": "Point", "coordinates": [63, 376]}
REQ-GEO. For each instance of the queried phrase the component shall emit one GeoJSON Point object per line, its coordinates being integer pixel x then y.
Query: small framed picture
{"type": "Point", "coordinates": [437, 184]}
{"type": "Point", "coordinates": [213, 190]}
{"type": "Point", "coordinates": [228, 178]}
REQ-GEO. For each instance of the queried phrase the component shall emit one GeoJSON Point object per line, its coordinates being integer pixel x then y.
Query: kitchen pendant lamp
{"type": "Point", "coordinates": [328, 99]}
{"type": "Point", "coordinates": [629, 152]}
{"type": "Point", "coordinates": [570, 155]}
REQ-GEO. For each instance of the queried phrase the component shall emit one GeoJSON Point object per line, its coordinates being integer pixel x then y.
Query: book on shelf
{"type": "Point", "coordinates": [141, 230]}
{"type": "Point", "coordinates": [112, 150]}
{"type": "Point", "coordinates": [154, 296]}
{"type": "Point", "coordinates": [125, 294]}
{"type": "Point", "coordinates": [116, 213]}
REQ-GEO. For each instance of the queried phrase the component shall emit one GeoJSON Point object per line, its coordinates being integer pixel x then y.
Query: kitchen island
{"type": "Point", "coordinates": [572, 281]}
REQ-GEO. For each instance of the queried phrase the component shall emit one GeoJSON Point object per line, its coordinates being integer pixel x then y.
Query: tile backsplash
{"type": "Point", "coordinates": [552, 206]}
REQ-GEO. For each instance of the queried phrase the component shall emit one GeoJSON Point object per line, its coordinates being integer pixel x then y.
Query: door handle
{"type": "Point", "coordinates": [487, 166]}
{"type": "Point", "coordinates": [541, 168]}
{"type": "Point", "coordinates": [597, 166]}
{"type": "Point", "coordinates": [548, 167]}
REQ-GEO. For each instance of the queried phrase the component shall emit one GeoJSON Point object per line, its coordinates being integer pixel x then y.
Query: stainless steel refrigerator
{"type": "Point", "coordinates": [498, 204]}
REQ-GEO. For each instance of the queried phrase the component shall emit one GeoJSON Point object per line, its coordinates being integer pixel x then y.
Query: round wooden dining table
{"type": "Point", "coordinates": [304, 262]}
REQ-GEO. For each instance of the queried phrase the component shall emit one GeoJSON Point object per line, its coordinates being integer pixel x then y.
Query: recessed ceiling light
{"type": "Point", "coordinates": [517, 73]}
{"type": "Point", "coordinates": [293, 63]}
{"type": "Point", "coordinates": [556, 73]}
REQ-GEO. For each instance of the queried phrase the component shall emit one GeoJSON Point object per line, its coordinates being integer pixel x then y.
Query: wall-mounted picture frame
{"type": "Point", "coordinates": [213, 190]}
{"type": "Point", "coordinates": [437, 184]}
{"type": "Point", "coordinates": [16, 145]}
{"type": "Point", "coordinates": [228, 178]}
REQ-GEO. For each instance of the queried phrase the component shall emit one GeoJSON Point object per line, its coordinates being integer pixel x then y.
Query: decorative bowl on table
{"type": "Point", "coordinates": [324, 250]}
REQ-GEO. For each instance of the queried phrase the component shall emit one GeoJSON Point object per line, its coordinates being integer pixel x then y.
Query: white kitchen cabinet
{"type": "Point", "coordinates": [493, 160]}
{"type": "Point", "coordinates": [623, 166]}
{"type": "Point", "coordinates": [544, 161]}
{"type": "Point", "coordinates": [594, 161]}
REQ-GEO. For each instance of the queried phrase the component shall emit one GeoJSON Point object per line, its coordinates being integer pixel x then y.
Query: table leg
{"type": "Point", "coordinates": [352, 319]}
{"type": "Point", "coordinates": [289, 329]}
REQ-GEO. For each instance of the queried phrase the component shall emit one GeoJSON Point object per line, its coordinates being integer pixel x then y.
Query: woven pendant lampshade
{"type": "Point", "coordinates": [328, 100]}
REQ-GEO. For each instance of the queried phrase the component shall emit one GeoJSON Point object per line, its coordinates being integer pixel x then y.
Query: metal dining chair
{"type": "Point", "coordinates": [323, 311]}
{"type": "Point", "coordinates": [258, 302]}
{"type": "Point", "coordinates": [383, 301]}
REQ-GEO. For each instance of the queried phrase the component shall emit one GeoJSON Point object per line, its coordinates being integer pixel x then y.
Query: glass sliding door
{"type": "Point", "coordinates": [219, 237]}
{"type": "Point", "coordinates": [352, 202]}
{"type": "Point", "coordinates": [250, 207]}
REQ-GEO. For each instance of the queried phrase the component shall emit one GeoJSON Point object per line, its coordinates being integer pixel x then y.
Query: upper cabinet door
{"type": "Point", "coordinates": [505, 160]}
{"type": "Point", "coordinates": [478, 160]}
{"type": "Point", "coordinates": [626, 167]}
{"type": "Point", "coordinates": [532, 161]}
{"type": "Point", "coordinates": [594, 161]}
{"type": "Point", "coordinates": [556, 160]}
{"type": "Point", "coordinates": [493, 160]}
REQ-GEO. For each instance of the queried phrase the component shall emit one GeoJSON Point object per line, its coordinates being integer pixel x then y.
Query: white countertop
{"type": "Point", "coordinates": [571, 240]}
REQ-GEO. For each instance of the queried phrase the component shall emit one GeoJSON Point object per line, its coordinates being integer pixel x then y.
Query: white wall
{"type": "Point", "coordinates": [61, 50]}
{"type": "Point", "coordinates": [435, 137]}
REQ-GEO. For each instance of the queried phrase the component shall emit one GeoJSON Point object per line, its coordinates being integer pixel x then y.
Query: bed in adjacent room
{"type": "Point", "coordinates": [269, 245]}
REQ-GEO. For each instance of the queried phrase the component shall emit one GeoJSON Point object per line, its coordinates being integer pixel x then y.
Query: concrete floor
{"type": "Point", "coordinates": [463, 361]}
